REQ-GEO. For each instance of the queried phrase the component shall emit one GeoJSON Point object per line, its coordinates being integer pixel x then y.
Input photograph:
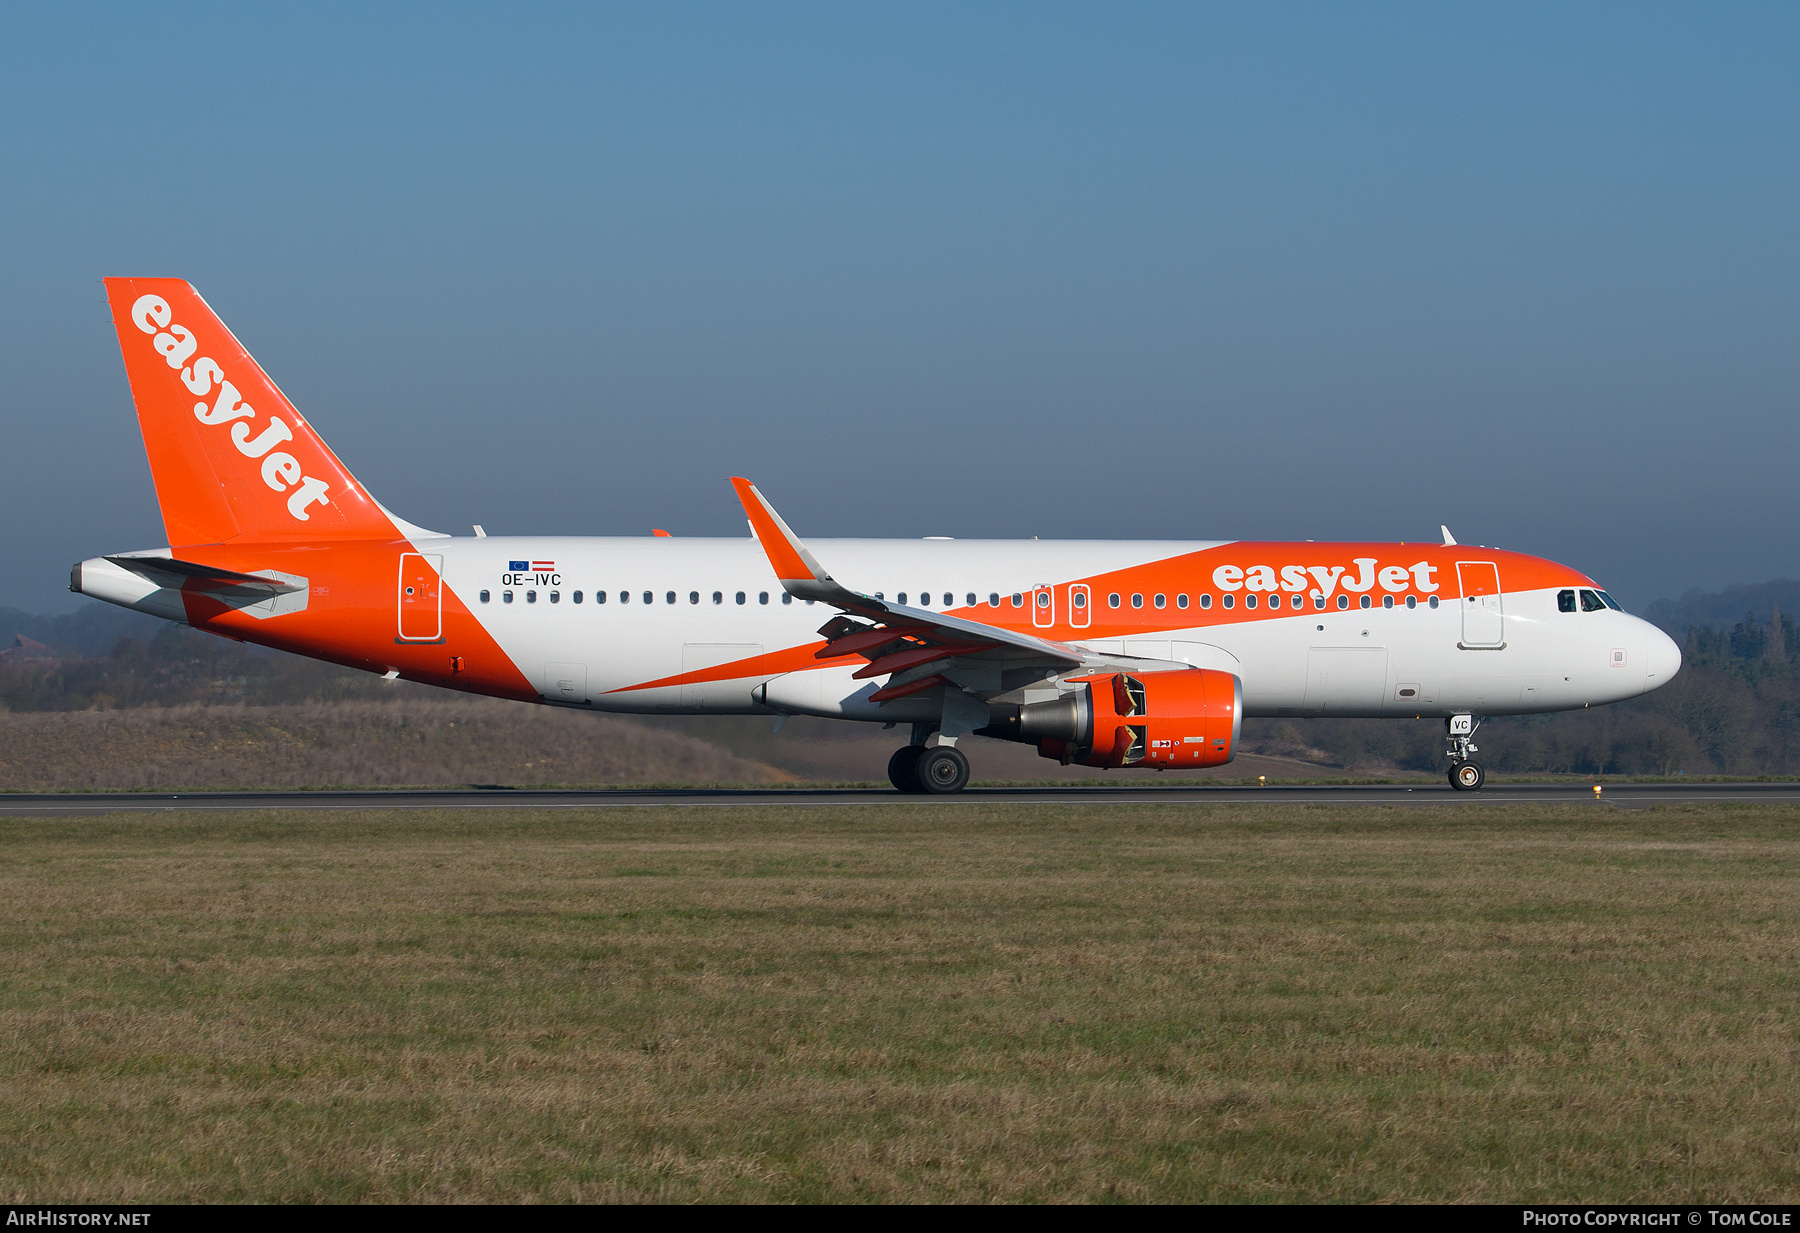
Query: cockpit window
{"type": "Point", "coordinates": [1565, 601]}
{"type": "Point", "coordinates": [1591, 601]}
{"type": "Point", "coordinates": [1611, 602]}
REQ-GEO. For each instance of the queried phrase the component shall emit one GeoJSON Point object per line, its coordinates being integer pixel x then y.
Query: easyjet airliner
{"type": "Point", "coordinates": [1105, 653]}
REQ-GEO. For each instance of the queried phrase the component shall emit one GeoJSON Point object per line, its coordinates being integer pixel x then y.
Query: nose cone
{"type": "Point", "coordinates": [1662, 661]}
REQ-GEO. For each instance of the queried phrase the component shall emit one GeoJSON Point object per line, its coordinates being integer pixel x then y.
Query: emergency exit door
{"type": "Point", "coordinates": [1483, 621]}
{"type": "Point", "coordinates": [421, 597]}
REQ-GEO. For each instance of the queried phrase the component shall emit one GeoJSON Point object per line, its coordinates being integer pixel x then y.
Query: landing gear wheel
{"type": "Point", "coordinates": [903, 768]}
{"type": "Point", "coordinates": [1467, 776]}
{"type": "Point", "coordinates": [942, 770]}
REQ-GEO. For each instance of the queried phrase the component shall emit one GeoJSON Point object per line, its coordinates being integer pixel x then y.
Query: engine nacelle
{"type": "Point", "coordinates": [1183, 718]}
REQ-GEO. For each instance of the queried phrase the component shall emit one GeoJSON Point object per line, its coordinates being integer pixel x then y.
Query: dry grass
{"type": "Point", "coordinates": [411, 741]}
{"type": "Point", "coordinates": [904, 1003]}
{"type": "Point", "coordinates": [425, 736]}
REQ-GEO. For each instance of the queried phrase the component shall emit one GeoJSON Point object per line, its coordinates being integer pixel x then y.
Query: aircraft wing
{"type": "Point", "coordinates": [914, 647]}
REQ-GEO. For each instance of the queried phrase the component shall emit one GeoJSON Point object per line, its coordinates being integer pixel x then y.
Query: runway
{"type": "Point", "coordinates": [1625, 795]}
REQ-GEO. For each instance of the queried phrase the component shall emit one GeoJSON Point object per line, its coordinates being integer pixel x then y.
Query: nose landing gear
{"type": "Point", "coordinates": [1466, 775]}
{"type": "Point", "coordinates": [937, 771]}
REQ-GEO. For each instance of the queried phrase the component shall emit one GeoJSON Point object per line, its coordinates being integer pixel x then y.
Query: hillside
{"type": "Point", "coordinates": [405, 741]}
{"type": "Point", "coordinates": [1755, 601]}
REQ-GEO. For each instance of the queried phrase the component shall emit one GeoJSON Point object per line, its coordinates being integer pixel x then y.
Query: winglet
{"type": "Point", "coordinates": [799, 571]}
{"type": "Point", "coordinates": [1449, 539]}
{"type": "Point", "coordinates": [803, 577]}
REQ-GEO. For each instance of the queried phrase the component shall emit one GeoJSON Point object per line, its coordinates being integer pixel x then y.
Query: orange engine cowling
{"type": "Point", "coordinates": [1188, 717]}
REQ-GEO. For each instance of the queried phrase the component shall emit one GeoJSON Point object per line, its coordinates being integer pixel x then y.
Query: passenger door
{"type": "Point", "coordinates": [421, 597]}
{"type": "Point", "coordinates": [1483, 618]}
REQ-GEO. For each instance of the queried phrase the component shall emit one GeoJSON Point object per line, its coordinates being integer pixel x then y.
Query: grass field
{"type": "Point", "coordinates": [971, 1003]}
{"type": "Point", "coordinates": [429, 737]}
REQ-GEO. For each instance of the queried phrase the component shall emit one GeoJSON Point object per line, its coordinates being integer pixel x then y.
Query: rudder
{"type": "Point", "coordinates": [231, 458]}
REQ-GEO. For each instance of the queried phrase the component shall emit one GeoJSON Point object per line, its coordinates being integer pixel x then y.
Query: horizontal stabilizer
{"type": "Point", "coordinates": [193, 576]}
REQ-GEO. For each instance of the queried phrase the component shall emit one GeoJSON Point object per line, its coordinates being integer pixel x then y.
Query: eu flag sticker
{"type": "Point", "coordinates": [518, 566]}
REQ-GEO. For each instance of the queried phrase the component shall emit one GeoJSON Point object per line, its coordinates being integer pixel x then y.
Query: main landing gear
{"type": "Point", "coordinates": [1466, 775]}
{"type": "Point", "coordinates": [936, 771]}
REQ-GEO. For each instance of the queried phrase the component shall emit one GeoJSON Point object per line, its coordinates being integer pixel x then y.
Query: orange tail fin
{"type": "Point", "coordinates": [231, 458]}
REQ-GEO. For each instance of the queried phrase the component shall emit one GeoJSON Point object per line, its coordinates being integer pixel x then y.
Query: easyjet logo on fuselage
{"type": "Point", "coordinates": [1322, 580]}
{"type": "Point", "coordinates": [281, 471]}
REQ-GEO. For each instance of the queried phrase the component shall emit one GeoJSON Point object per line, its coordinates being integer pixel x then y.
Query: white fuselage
{"type": "Point", "coordinates": [675, 606]}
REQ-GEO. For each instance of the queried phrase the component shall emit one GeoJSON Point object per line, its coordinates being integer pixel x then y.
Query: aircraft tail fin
{"type": "Point", "coordinates": [231, 458]}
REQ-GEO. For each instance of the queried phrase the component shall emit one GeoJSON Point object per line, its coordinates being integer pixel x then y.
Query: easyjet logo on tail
{"type": "Point", "coordinates": [281, 471]}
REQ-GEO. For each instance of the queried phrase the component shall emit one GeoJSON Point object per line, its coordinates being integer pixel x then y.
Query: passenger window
{"type": "Point", "coordinates": [1343, 602]}
{"type": "Point", "coordinates": [531, 597]}
{"type": "Point", "coordinates": [786, 598]}
{"type": "Point", "coordinates": [1018, 599]}
{"type": "Point", "coordinates": [762, 597]}
{"type": "Point", "coordinates": [506, 597]}
{"type": "Point", "coordinates": [1387, 601]}
{"type": "Point", "coordinates": [718, 597]}
{"type": "Point", "coordinates": [1112, 601]}
{"type": "Point", "coordinates": [693, 597]}
{"type": "Point", "coordinates": [1318, 601]}
{"type": "Point", "coordinates": [1299, 602]}
{"type": "Point", "coordinates": [1250, 600]}
{"type": "Point", "coordinates": [1181, 601]}
{"type": "Point", "coordinates": [1079, 599]}
{"type": "Point", "coordinates": [902, 597]}
{"type": "Point", "coordinates": [1565, 601]}
{"type": "Point", "coordinates": [1206, 600]}
{"type": "Point", "coordinates": [556, 597]}
{"type": "Point", "coordinates": [649, 597]}
{"type": "Point", "coordinates": [971, 602]}
{"type": "Point", "coordinates": [1591, 602]}
{"type": "Point", "coordinates": [669, 598]}
{"type": "Point", "coordinates": [484, 597]}
{"type": "Point", "coordinates": [949, 599]}
{"type": "Point", "coordinates": [1412, 601]}
{"type": "Point", "coordinates": [1228, 600]}
{"type": "Point", "coordinates": [1363, 602]}
{"type": "Point", "coordinates": [740, 597]}
{"type": "Point", "coordinates": [624, 597]}
{"type": "Point", "coordinates": [1433, 601]}
{"type": "Point", "coordinates": [1161, 601]}
{"type": "Point", "coordinates": [993, 599]}
{"type": "Point", "coordinates": [577, 597]}
{"type": "Point", "coordinates": [1137, 601]}
{"type": "Point", "coordinates": [599, 597]}
{"type": "Point", "coordinates": [1043, 599]}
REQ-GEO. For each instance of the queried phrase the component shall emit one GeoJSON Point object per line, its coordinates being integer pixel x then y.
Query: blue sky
{"type": "Point", "coordinates": [1297, 271]}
